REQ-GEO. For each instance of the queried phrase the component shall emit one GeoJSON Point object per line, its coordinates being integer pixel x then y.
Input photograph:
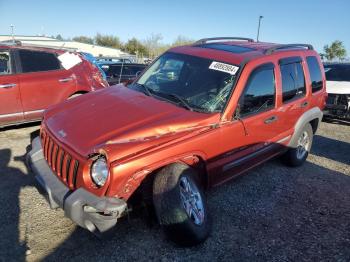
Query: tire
{"type": "Point", "coordinates": [169, 197]}
{"type": "Point", "coordinates": [296, 156]}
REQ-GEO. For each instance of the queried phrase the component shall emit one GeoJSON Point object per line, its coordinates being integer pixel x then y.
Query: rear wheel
{"type": "Point", "coordinates": [297, 155]}
{"type": "Point", "coordinates": [180, 205]}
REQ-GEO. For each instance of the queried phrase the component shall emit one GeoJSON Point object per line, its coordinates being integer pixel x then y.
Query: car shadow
{"type": "Point", "coordinates": [337, 121]}
{"type": "Point", "coordinates": [331, 148]}
{"type": "Point", "coordinates": [12, 181]}
{"type": "Point", "coordinates": [19, 126]}
{"type": "Point", "coordinates": [272, 213]}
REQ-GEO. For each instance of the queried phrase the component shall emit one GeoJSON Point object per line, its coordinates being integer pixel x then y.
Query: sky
{"type": "Point", "coordinates": [294, 21]}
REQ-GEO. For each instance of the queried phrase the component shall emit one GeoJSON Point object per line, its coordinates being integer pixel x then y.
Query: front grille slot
{"type": "Point", "coordinates": [54, 157]}
{"type": "Point", "coordinates": [69, 159]}
{"type": "Point", "coordinates": [75, 173]}
{"type": "Point", "coordinates": [59, 168]}
{"type": "Point", "coordinates": [60, 162]}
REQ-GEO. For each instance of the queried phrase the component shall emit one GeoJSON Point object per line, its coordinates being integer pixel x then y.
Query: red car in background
{"type": "Point", "coordinates": [33, 78]}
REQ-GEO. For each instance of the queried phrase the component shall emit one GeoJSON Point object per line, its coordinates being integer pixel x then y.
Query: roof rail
{"type": "Point", "coordinates": [11, 43]}
{"type": "Point", "coordinates": [275, 48]}
{"type": "Point", "coordinates": [70, 49]}
{"type": "Point", "coordinates": [206, 40]}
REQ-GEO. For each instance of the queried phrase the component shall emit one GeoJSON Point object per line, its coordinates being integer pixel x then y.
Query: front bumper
{"type": "Point", "coordinates": [97, 214]}
{"type": "Point", "coordinates": [338, 105]}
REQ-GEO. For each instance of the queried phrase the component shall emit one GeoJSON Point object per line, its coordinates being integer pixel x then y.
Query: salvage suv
{"type": "Point", "coordinates": [338, 89]}
{"type": "Point", "coordinates": [198, 116]}
{"type": "Point", "coordinates": [34, 78]}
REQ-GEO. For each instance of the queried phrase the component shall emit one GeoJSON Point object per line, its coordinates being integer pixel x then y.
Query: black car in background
{"type": "Point", "coordinates": [122, 72]}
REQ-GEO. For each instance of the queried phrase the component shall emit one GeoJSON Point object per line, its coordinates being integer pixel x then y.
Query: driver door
{"type": "Point", "coordinates": [257, 114]}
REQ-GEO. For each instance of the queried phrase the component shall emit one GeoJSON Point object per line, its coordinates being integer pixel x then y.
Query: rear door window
{"type": "Point", "coordinates": [315, 73]}
{"type": "Point", "coordinates": [114, 70]}
{"type": "Point", "coordinates": [259, 93]}
{"type": "Point", "coordinates": [127, 71]}
{"type": "Point", "coordinates": [293, 79]}
{"type": "Point", "coordinates": [34, 61]}
{"type": "Point", "coordinates": [136, 69]}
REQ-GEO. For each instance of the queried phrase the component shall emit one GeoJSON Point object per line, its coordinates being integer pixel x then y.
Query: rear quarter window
{"type": "Point", "coordinates": [315, 73]}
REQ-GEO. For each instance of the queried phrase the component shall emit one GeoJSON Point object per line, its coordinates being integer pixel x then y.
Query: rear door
{"type": "Point", "coordinates": [10, 100]}
{"type": "Point", "coordinates": [294, 92]}
{"type": "Point", "coordinates": [43, 82]}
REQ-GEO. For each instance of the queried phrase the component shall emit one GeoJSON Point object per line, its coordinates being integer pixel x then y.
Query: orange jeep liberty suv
{"type": "Point", "coordinates": [198, 116]}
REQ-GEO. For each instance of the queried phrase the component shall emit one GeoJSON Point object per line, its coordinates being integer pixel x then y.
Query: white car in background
{"type": "Point", "coordinates": [338, 89]}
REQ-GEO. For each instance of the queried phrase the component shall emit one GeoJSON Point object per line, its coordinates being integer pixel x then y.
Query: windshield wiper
{"type": "Point", "coordinates": [182, 101]}
{"type": "Point", "coordinates": [146, 89]}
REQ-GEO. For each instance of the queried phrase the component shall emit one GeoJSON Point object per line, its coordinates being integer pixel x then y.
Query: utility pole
{"type": "Point", "coordinates": [257, 37]}
{"type": "Point", "coordinates": [12, 34]}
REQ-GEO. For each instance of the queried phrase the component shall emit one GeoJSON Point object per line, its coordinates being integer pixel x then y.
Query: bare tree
{"type": "Point", "coordinates": [182, 40]}
{"type": "Point", "coordinates": [154, 46]}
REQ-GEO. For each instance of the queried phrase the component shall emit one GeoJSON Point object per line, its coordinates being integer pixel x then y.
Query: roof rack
{"type": "Point", "coordinates": [206, 40]}
{"type": "Point", "coordinates": [273, 49]}
{"type": "Point", "coordinates": [11, 43]}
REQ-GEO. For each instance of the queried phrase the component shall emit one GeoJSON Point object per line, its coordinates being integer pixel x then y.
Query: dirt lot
{"type": "Point", "coordinates": [272, 213]}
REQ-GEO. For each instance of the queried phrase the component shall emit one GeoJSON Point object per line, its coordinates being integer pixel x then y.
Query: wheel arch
{"type": "Point", "coordinates": [313, 117]}
{"type": "Point", "coordinates": [195, 161]}
{"type": "Point", "coordinates": [80, 92]}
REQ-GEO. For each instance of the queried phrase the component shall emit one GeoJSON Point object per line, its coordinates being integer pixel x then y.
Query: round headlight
{"type": "Point", "coordinates": [99, 171]}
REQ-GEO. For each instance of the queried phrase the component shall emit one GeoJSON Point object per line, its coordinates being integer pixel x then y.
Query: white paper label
{"type": "Point", "coordinates": [231, 69]}
{"type": "Point", "coordinates": [69, 60]}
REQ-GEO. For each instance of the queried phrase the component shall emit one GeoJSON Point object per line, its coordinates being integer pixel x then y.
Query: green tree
{"type": "Point", "coordinates": [59, 37]}
{"type": "Point", "coordinates": [108, 40]}
{"type": "Point", "coordinates": [84, 39]}
{"type": "Point", "coordinates": [134, 46]}
{"type": "Point", "coordinates": [182, 40]}
{"type": "Point", "coordinates": [335, 50]}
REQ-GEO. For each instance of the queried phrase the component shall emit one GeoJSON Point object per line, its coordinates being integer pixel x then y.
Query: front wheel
{"type": "Point", "coordinates": [180, 205]}
{"type": "Point", "coordinates": [296, 156]}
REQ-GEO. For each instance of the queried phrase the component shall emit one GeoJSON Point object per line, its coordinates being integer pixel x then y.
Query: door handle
{"type": "Point", "coordinates": [304, 104]}
{"type": "Point", "coordinates": [7, 85]}
{"type": "Point", "coordinates": [64, 80]}
{"type": "Point", "coordinates": [271, 119]}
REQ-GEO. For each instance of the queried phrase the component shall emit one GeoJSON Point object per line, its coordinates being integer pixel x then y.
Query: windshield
{"type": "Point", "coordinates": [338, 73]}
{"type": "Point", "coordinates": [195, 83]}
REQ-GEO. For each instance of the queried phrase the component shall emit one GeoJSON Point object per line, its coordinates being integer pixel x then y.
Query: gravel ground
{"type": "Point", "coordinates": [273, 213]}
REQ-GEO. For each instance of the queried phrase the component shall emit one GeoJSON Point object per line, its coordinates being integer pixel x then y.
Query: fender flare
{"type": "Point", "coordinates": [307, 117]}
{"type": "Point", "coordinates": [137, 177]}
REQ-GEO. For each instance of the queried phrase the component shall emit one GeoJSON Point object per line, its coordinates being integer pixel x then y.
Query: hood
{"type": "Point", "coordinates": [119, 116]}
{"type": "Point", "coordinates": [338, 87]}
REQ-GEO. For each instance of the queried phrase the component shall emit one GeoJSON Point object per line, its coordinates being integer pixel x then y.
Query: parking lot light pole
{"type": "Point", "coordinates": [257, 37]}
{"type": "Point", "coordinates": [13, 36]}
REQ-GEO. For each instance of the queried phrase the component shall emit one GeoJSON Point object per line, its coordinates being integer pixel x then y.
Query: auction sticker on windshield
{"type": "Point", "coordinates": [231, 69]}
